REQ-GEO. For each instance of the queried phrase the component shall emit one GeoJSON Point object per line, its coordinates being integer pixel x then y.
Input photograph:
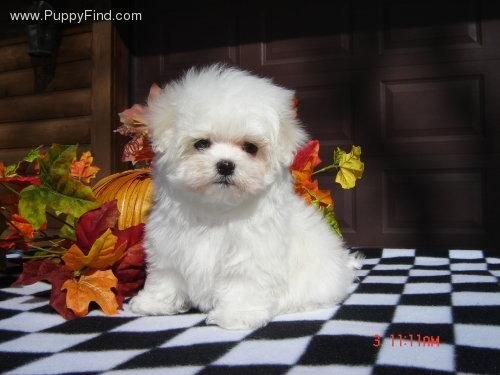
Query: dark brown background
{"type": "Point", "coordinates": [415, 83]}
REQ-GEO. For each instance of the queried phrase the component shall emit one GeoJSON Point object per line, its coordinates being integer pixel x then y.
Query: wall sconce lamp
{"type": "Point", "coordinates": [43, 35]}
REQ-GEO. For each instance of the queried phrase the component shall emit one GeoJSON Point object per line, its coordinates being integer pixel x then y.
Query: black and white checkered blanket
{"type": "Point", "coordinates": [411, 312]}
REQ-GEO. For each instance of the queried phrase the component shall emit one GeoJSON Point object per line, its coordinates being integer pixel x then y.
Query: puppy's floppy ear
{"type": "Point", "coordinates": [161, 116]}
{"type": "Point", "coordinates": [291, 134]}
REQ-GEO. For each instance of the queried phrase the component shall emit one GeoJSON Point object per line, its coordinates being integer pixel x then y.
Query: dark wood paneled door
{"type": "Point", "coordinates": [415, 83]}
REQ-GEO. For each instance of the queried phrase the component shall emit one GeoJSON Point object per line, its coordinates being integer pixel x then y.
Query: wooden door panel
{"type": "Point", "coordinates": [415, 83]}
{"type": "Point", "coordinates": [409, 26]}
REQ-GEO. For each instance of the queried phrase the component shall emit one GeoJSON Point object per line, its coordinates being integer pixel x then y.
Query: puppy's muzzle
{"type": "Point", "coordinates": [225, 167]}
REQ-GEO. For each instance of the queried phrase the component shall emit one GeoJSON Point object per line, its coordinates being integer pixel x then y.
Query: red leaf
{"type": "Point", "coordinates": [130, 269]}
{"type": "Point", "coordinates": [138, 149]}
{"type": "Point", "coordinates": [94, 223]}
{"type": "Point", "coordinates": [38, 270]}
{"type": "Point", "coordinates": [54, 273]}
{"type": "Point", "coordinates": [132, 235]}
{"type": "Point", "coordinates": [58, 301]}
{"type": "Point", "coordinates": [22, 181]}
{"type": "Point", "coordinates": [18, 242]}
{"type": "Point", "coordinates": [146, 153]}
{"type": "Point", "coordinates": [308, 153]}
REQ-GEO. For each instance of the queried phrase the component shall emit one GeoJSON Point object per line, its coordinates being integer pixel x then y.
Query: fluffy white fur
{"type": "Point", "coordinates": [244, 251]}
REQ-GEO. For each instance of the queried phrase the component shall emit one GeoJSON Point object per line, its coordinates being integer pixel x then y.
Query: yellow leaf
{"type": "Point", "coordinates": [103, 253]}
{"type": "Point", "coordinates": [95, 287]}
{"type": "Point", "coordinates": [351, 167]}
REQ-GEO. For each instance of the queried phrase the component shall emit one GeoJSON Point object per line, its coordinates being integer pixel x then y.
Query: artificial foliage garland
{"type": "Point", "coordinates": [89, 258]}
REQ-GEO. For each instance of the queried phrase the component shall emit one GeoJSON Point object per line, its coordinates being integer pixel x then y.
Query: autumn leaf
{"type": "Point", "coordinates": [58, 190]}
{"type": "Point", "coordinates": [135, 125]}
{"type": "Point", "coordinates": [130, 269]}
{"type": "Point", "coordinates": [307, 158]}
{"type": "Point", "coordinates": [32, 155]}
{"type": "Point", "coordinates": [329, 216]}
{"type": "Point", "coordinates": [103, 253]}
{"type": "Point", "coordinates": [94, 223]}
{"type": "Point", "coordinates": [94, 287]}
{"type": "Point", "coordinates": [10, 170]}
{"type": "Point", "coordinates": [21, 232]}
{"type": "Point", "coordinates": [10, 173]}
{"type": "Point", "coordinates": [38, 270]}
{"type": "Point", "coordinates": [302, 170]}
{"type": "Point", "coordinates": [54, 273]}
{"type": "Point", "coordinates": [82, 169]}
{"type": "Point", "coordinates": [68, 230]}
{"type": "Point", "coordinates": [7, 174]}
{"type": "Point", "coordinates": [134, 115]}
{"type": "Point", "coordinates": [351, 167]}
{"type": "Point", "coordinates": [12, 240]}
{"type": "Point", "coordinates": [134, 119]}
{"type": "Point", "coordinates": [32, 205]}
{"type": "Point", "coordinates": [20, 224]}
{"type": "Point", "coordinates": [138, 149]}
{"type": "Point", "coordinates": [21, 181]}
{"type": "Point", "coordinates": [309, 190]}
{"type": "Point", "coordinates": [130, 272]}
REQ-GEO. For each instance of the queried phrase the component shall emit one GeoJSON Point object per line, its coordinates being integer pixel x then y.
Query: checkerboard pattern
{"type": "Point", "coordinates": [411, 312]}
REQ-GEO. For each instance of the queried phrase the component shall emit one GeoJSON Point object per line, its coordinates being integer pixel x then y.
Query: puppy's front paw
{"type": "Point", "coordinates": [157, 304]}
{"type": "Point", "coordinates": [234, 319]}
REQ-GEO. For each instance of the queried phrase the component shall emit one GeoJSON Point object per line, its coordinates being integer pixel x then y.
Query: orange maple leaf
{"type": "Point", "coordinates": [309, 189]}
{"type": "Point", "coordinates": [82, 169]}
{"type": "Point", "coordinates": [302, 170]}
{"type": "Point", "coordinates": [103, 253]}
{"type": "Point", "coordinates": [2, 169]}
{"type": "Point", "coordinates": [94, 287]}
{"type": "Point", "coordinates": [19, 223]}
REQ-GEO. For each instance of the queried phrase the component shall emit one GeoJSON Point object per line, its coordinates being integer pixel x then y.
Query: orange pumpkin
{"type": "Point", "coordinates": [133, 190]}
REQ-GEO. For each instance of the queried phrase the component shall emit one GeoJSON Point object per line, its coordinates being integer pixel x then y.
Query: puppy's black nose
{"type": "Point", "coordinates": [225, 167]}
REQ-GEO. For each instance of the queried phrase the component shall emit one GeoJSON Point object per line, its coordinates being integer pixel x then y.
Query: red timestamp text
{"type": "Point", "coordinates": [407, 340]}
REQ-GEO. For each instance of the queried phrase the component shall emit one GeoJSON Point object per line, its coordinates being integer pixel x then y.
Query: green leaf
{"type": "Point", "coordinates": [32, 205]}
{"type": "Point", "coordinates": [58, 190]}
{"type": "Point", "coordinates": [68, 231]}
{"type": "Point", "coordinates": [329, 215]}
{"type": "Point", "coordinates": [32, 155]}
{"type": "Point", "coordinates": [337, 155]}
{"type": "Point", "coordinates": [10, 170]}
{"type": "Point", "coordinates": [35, 199]}
{"type": "Point", "coordinates": [57, 161]}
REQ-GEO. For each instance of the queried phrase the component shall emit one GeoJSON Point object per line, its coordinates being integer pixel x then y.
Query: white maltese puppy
{"type": "Point", "coordinates": [228, 234]}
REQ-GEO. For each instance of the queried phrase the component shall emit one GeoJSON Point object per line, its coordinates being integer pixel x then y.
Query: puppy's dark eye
{"type": "Point", "coordinates": [202, 144]}
{"type": "Point", "coordinates": [250, 148]}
